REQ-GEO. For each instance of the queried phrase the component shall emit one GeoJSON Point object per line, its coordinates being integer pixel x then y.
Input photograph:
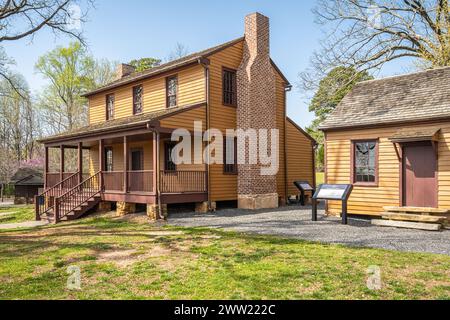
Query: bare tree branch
{"type": "Point", "coordinates": [366, 34]}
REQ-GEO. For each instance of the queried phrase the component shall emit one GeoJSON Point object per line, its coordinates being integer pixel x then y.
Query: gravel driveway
{"type": "Point", "coordinates": [296, 222]}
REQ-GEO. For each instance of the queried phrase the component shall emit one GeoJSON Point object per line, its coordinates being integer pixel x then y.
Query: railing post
{"type": "Point", "coordinates": [80, 162]}
{"type": "Point", "coordinates": [155, 161]}
{"type": "Point", "coordinates": [61, 165]}
{"type": "Point", "coordinates": [45, 167]}
{"type": "Point", "coordinates": [56, 210]}
{"type": "Point", "coordinates": [36, 208]}
{"type": "Point", "coordinates": [101, 163]}
{"type": "Point", "coordinates": [125, 164]}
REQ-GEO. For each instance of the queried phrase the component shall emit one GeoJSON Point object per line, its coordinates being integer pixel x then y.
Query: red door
{"type": "Point", "coordinates": [419, 175]}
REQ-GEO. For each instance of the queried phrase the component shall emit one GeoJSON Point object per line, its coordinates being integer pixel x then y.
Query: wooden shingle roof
{"type": "Point", "coordinates": [171, 65]}
{"type": "Point", "coordinates": [420, 96]}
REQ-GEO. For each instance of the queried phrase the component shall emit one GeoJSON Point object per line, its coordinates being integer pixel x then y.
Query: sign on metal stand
{"type": "Point", "coordinates": [338, 192]}
{"type": "Point", "coordinates": [303, 186]}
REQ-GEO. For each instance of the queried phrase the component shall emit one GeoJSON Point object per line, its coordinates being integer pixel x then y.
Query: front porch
{"type": "Point", "coordinates": [126, 166]}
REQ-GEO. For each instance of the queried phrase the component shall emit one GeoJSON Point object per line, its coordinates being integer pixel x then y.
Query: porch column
{"type": "Point", "coordinates": [155, 162]}
{"type": "Point", "coordinates": [45, 166]}
{"type": "Point", "coordinates": [125, 164]}
{"type": "Point", "coordinates": [101, 162]}
{"type": "Point", "coordinates": [61, 163]}
{"type": "Point", "coordinates": [80, 162]}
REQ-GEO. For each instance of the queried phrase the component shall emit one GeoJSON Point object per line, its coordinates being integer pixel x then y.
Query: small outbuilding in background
{"type": "Point", "coordinates": [28, 182]}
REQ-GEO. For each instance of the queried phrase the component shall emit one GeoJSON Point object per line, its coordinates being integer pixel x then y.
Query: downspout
{"type": "Point", "coordinates": [205, 63]}
{"type": "Point", "coordinates": [287, 88]}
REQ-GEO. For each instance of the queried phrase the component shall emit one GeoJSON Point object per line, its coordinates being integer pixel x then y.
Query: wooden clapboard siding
{"type": "Point", "coordinates": [370, 200]}
{"type": "Point", "coordinates": [184, 166]}
{"type": "Point", "coordinates": [191, 90]}
{"type": "Point", "coordinates": [223, 187]}
{"type": "Point", "coordinates": [186, 119]}
{"type": "Point", "coordinates": [281, 123]}
{"type": "Point", "coordinates": [299, 153]}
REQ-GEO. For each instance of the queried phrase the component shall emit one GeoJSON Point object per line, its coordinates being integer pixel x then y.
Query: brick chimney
{"type": "Point", "coordinates": [124, 70]}
{"type": "Point", "coordinates": [256, 110]}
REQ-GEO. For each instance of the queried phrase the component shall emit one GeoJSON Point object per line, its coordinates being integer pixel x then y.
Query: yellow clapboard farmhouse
{"type": "Point", "coordinates": [233, 85]}
{"type": "Point", "coordinates": [390, 138]}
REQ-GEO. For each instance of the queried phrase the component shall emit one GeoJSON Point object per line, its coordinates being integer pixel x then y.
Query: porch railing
{"type": "Point", "coordinates": [182, 181]}
{"type": "Point", "coordinates": [141, 180]}
{"type": "Point", "coordinates": [46, 201]}
{"type": "Point", "coordinates": [78, 195]}
{"type": "Point", "coordinates": [54, 178]}
{"type": "Point", "coordinates": [112, 180]}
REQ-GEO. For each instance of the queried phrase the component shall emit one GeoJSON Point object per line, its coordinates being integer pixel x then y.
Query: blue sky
{"type": "Point", "coordinates": [125, 30]}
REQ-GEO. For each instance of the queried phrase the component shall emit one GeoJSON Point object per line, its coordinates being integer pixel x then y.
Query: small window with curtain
{"type": "Point", "coordinates": [108, 159]}
{"type": "Point", "coordinates": [137, 99]}
{"type": "Point", "coordinates": [169, 165]}
{"type": "Point", "coordinates": [229, 87]}
{"type": "Point", "coordinates": [109, 106]}
{"type": "Point", "coordinates": [230, 156]}
{"type": "Point", "coordinates": [365, 162]}
{"type": "Point", "coordinates": [171, 91]}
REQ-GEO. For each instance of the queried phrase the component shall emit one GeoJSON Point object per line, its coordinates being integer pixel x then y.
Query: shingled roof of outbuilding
{"type": "Point", "coordinates": [415, 97]}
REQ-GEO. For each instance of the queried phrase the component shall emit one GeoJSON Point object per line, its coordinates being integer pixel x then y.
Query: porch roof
{"type": "Point", "coordinates": [416, 134]}
{"type": "Point", "coordinates": [139, 121]}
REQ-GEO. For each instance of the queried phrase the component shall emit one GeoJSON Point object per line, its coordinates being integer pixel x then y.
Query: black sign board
{"type": "Point", "coordinates": [303, 186]}
{"type": "Point", "coordinates": [339, 192]}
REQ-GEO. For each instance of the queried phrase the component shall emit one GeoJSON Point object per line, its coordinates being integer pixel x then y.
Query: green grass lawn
{"type": "Point", "coordinates": [320, 178]}
{"type": "Point", "coordinates": [128, 258]}
{"type": "Point", "coordinates": [13, 214]}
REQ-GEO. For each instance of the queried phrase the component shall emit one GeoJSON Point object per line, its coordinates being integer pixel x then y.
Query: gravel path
{"type": "Point", "coordinates": [295, 222]}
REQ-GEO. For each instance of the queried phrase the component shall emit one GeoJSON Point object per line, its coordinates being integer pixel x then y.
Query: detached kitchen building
{"type": "Point", "coordinates": [390, 139]}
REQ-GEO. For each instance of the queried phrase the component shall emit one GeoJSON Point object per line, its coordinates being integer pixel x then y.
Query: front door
{"type": "Point", "coordinates": [419, 175]}
{"type": "Point", "coordinates": [136, 160]}
{"type": "Point", "coordinates": [136, 176]}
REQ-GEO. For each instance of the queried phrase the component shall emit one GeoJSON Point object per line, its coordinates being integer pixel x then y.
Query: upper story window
{"type": "Point", "coordinates": [137, 99]}
{"type": "Point", "coordinates": [171, 91]}
{"type": "Point", "coordinates": [229, 87]}
{"type": "Point", "coordinates": [230, 156]}
{"type": "Point", "coordinates": [108, 159]}
{"type": "Point", "coordinates": [109, 106]}
{"type": "Point", "coordinates": [365, 162]}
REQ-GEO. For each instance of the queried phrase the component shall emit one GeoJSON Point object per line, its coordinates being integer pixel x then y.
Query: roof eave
{"type": "Point", "coordinates": [383, 124]}
{"type": "Point", "coordinates": [143, 124]}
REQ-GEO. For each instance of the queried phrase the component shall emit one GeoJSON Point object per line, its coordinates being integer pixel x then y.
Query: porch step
{"type": "Point", "coordinates": [413, 217]}
{"type": "Point", "coordinates": [417, 210]}
{"type": "Point", "coordinates": [407, 225]}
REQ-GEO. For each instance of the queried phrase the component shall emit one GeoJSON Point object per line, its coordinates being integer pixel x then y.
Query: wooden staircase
{"type": "Point", "coordinates": [55, 205]}
{"type": "Point", "coordinates": [430, 219]}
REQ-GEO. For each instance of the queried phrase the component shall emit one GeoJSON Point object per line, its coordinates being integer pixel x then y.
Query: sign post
{"type": "Point", "coordinates": [303, 186]}
{"type": "Point", "coordinates": [338, 192]}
